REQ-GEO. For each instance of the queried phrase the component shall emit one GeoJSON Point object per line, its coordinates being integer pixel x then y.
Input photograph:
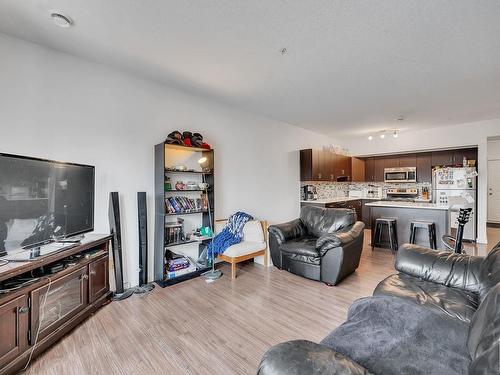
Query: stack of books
{"type": "Point", "coordinates": [178, 267]}
{"type": "Point", "coordinates": [183, 204]}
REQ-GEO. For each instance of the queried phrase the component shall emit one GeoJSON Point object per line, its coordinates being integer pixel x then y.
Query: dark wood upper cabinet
{"type": "Point", "coordinates": [370, 169]}
{"type": "Point", "coordinates": [311, 162]}
{"type": "Point", "coordinates": [443, 157]}
{"type": "Point", "coordinates": [330, 162]}
{"type": "Point", "coordinates": [468, 153]}
{"type": "Point", "coordinates": [379, 169]}
{"type": "Point", "coordinates": [408, 160]}
{"type": "Point", "coordinates": [320, 165]}
{"type": "Point", "coordinates": [343, 167]}
{"type": "Point", "coordinates": [391, 161]}
{"type": "Point", "coordinates": [305, 165]}
{"type": "Point", "coordinates": [424, 167]}
{"type": "Point", "coordinates": [358, 170]}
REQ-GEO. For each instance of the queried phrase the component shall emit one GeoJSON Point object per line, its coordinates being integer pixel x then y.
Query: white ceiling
{"type": "Point", "coordinates": [352, 67]}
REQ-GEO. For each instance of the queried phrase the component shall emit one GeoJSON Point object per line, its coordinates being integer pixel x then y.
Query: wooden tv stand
{"type": "Point", "coordinates": [74, 293]}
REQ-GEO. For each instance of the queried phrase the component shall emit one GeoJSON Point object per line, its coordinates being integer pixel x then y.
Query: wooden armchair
{"type": "Point", "coordinates": [253, 244]}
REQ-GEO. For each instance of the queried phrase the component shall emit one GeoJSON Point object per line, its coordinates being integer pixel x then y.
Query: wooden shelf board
{"type": "Point", "coordinates": [186, 148]}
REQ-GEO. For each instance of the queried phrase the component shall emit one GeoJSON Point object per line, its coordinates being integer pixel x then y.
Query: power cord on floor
{"type": "Point", "coordinates": [143, 290]}
{"type": "Point", "coordinates": [42, 316]}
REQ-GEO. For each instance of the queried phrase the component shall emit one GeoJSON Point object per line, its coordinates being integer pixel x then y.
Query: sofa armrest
{"type": "Point", "coordinates": [287, 231]}
{"type": "Point", "coordinates": [441, 267]}
{"type": "Point", "coordinates": [340, 238]}
{"type": "Point", "coordinates": [305, 357]}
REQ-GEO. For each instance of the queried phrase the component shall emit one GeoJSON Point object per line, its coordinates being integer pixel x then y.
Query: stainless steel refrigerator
{"type": "Point", "coordinates": [456, 188]}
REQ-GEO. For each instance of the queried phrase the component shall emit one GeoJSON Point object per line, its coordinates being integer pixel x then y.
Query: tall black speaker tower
{"type": "Point", "coordinates": [116, 241]}
{"type": "Point", "coordinates": [142, 212]}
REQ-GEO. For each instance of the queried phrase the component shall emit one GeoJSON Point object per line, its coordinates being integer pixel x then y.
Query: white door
{"type": "Point", "coordinates": [494, 191]}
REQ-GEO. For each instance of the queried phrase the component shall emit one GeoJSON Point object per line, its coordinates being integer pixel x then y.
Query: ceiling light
{"type": "Point", "coordinates": [370, 137]}
{"type": "Point", "coordinates": [395, 134]}
{"type": "Point", "coordinates": [283, 51]}
{"type": "Point", "coordinates": [60, 19]}
{"type": "Point", "coordinates": [382, 136]}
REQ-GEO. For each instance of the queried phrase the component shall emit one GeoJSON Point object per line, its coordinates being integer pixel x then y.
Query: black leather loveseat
{"type": "Point", "coordinates": [439, 315]}
{"type": "Point", "coordinates": [323, 244]}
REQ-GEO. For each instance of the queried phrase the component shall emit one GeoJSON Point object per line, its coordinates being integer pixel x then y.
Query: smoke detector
{"type": "Point", "coordinates": [60, 19]}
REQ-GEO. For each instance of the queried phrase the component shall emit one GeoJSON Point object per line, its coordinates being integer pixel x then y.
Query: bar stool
{"type": "Point", "coordinates": [391, 224]}
{"type": "Point", "coordinates": [431, 231]}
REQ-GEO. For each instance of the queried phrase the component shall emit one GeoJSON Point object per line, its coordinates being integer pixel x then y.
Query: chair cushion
{"type": "Point", "coordinates": [451, 302]}
{"type": "Point", "coordinates": [244, 248]}
{"type": "Point", "coordinates": [302, 250]}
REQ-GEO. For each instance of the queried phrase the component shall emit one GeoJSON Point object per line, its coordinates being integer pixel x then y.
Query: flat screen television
{"type": "Point", "coordinates": [43, 200]}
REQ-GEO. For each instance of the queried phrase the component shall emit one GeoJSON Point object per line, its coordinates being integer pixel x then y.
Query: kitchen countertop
{"type": "Point", "coordinates": [423, 205]}
{"type": "Point", "coordinates": [336, 200]}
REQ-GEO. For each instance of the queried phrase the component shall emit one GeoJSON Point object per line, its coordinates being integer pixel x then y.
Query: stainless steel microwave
{"type": "Point", "coordinates": [407, 174]}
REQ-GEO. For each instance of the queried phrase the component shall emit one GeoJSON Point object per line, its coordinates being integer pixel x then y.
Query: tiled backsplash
{"type": "Point", "coordinates": [328, 190]}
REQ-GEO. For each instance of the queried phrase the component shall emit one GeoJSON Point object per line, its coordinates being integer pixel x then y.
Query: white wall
{"type": "Point", "coordinates": [469, 134]}
{"type": "Point", "coordinates": [56, 106]}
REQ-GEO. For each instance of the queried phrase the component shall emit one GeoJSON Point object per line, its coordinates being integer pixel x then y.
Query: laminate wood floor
{"type": "Point", "coordinates": [219, 328]}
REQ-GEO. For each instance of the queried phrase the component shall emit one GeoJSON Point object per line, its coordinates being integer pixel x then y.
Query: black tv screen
{"type": "Point", "coordinates": [41, 200]}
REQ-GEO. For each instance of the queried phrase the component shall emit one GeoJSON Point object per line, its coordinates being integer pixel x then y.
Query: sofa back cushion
{"type": "Point", "coordinates": [489, 272]}
{"type": "Point", "coordinates": [319, 221]}
{"type": "Point", "coordinates": [483, 341]}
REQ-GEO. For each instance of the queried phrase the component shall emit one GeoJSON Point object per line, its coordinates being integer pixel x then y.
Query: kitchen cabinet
{"type": "Point", "coordinates": [366, 213]}
{"type": "Point", "coordinates": [408, 160]}
{"type": "Point", "coordinates": [379, 166]}
{"type": "Point", "coordinates": [343, 167]}
{"type": "Point", "coordinates": [391, 161]}
{"type": "Point", "coordinates": [358, 170]}
{"type": "Point", "coordinates": [424, 167]}
{"type": "Point", "coordinates": [370, 169]}
{"type": "Point", "coordinates": [320, 165]}
{"type": "Point", "coordinates": [469, 153]}
{"type": "Point", "coordinates": [310, 165]}
{"type": "Point", "coordinates": [351, 204]}
{"type": "Point", "coordinates": [443, 158]}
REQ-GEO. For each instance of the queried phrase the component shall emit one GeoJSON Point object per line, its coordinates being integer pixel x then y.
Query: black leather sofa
{"type": "Point", "coordinates": [324, 244]}
{"type": "Point", "coordinates": [439, 315]}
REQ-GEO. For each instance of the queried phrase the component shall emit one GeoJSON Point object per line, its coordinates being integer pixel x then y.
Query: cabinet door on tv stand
{"type": "Point", "coordinates": [98, 279]}
{"type": "Point", "coordinates": [59, 302]}
{"type": "Point", "coordinates": [14, 320]}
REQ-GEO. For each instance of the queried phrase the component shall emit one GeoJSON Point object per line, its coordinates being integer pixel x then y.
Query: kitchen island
{"type": "Point", "coordinates": [405, 213]}
{"type": "Point", "coordinates": [357, 204]}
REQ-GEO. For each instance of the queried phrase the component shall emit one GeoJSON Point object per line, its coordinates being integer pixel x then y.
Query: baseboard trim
{"type": "Point", "coordinates": [490, 224]}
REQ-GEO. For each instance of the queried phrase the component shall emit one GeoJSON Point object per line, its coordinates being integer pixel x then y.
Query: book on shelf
{"type": "Point", "coordinates": [180, 204]}
{"type": "Point", "coordinates": [172, 274]}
